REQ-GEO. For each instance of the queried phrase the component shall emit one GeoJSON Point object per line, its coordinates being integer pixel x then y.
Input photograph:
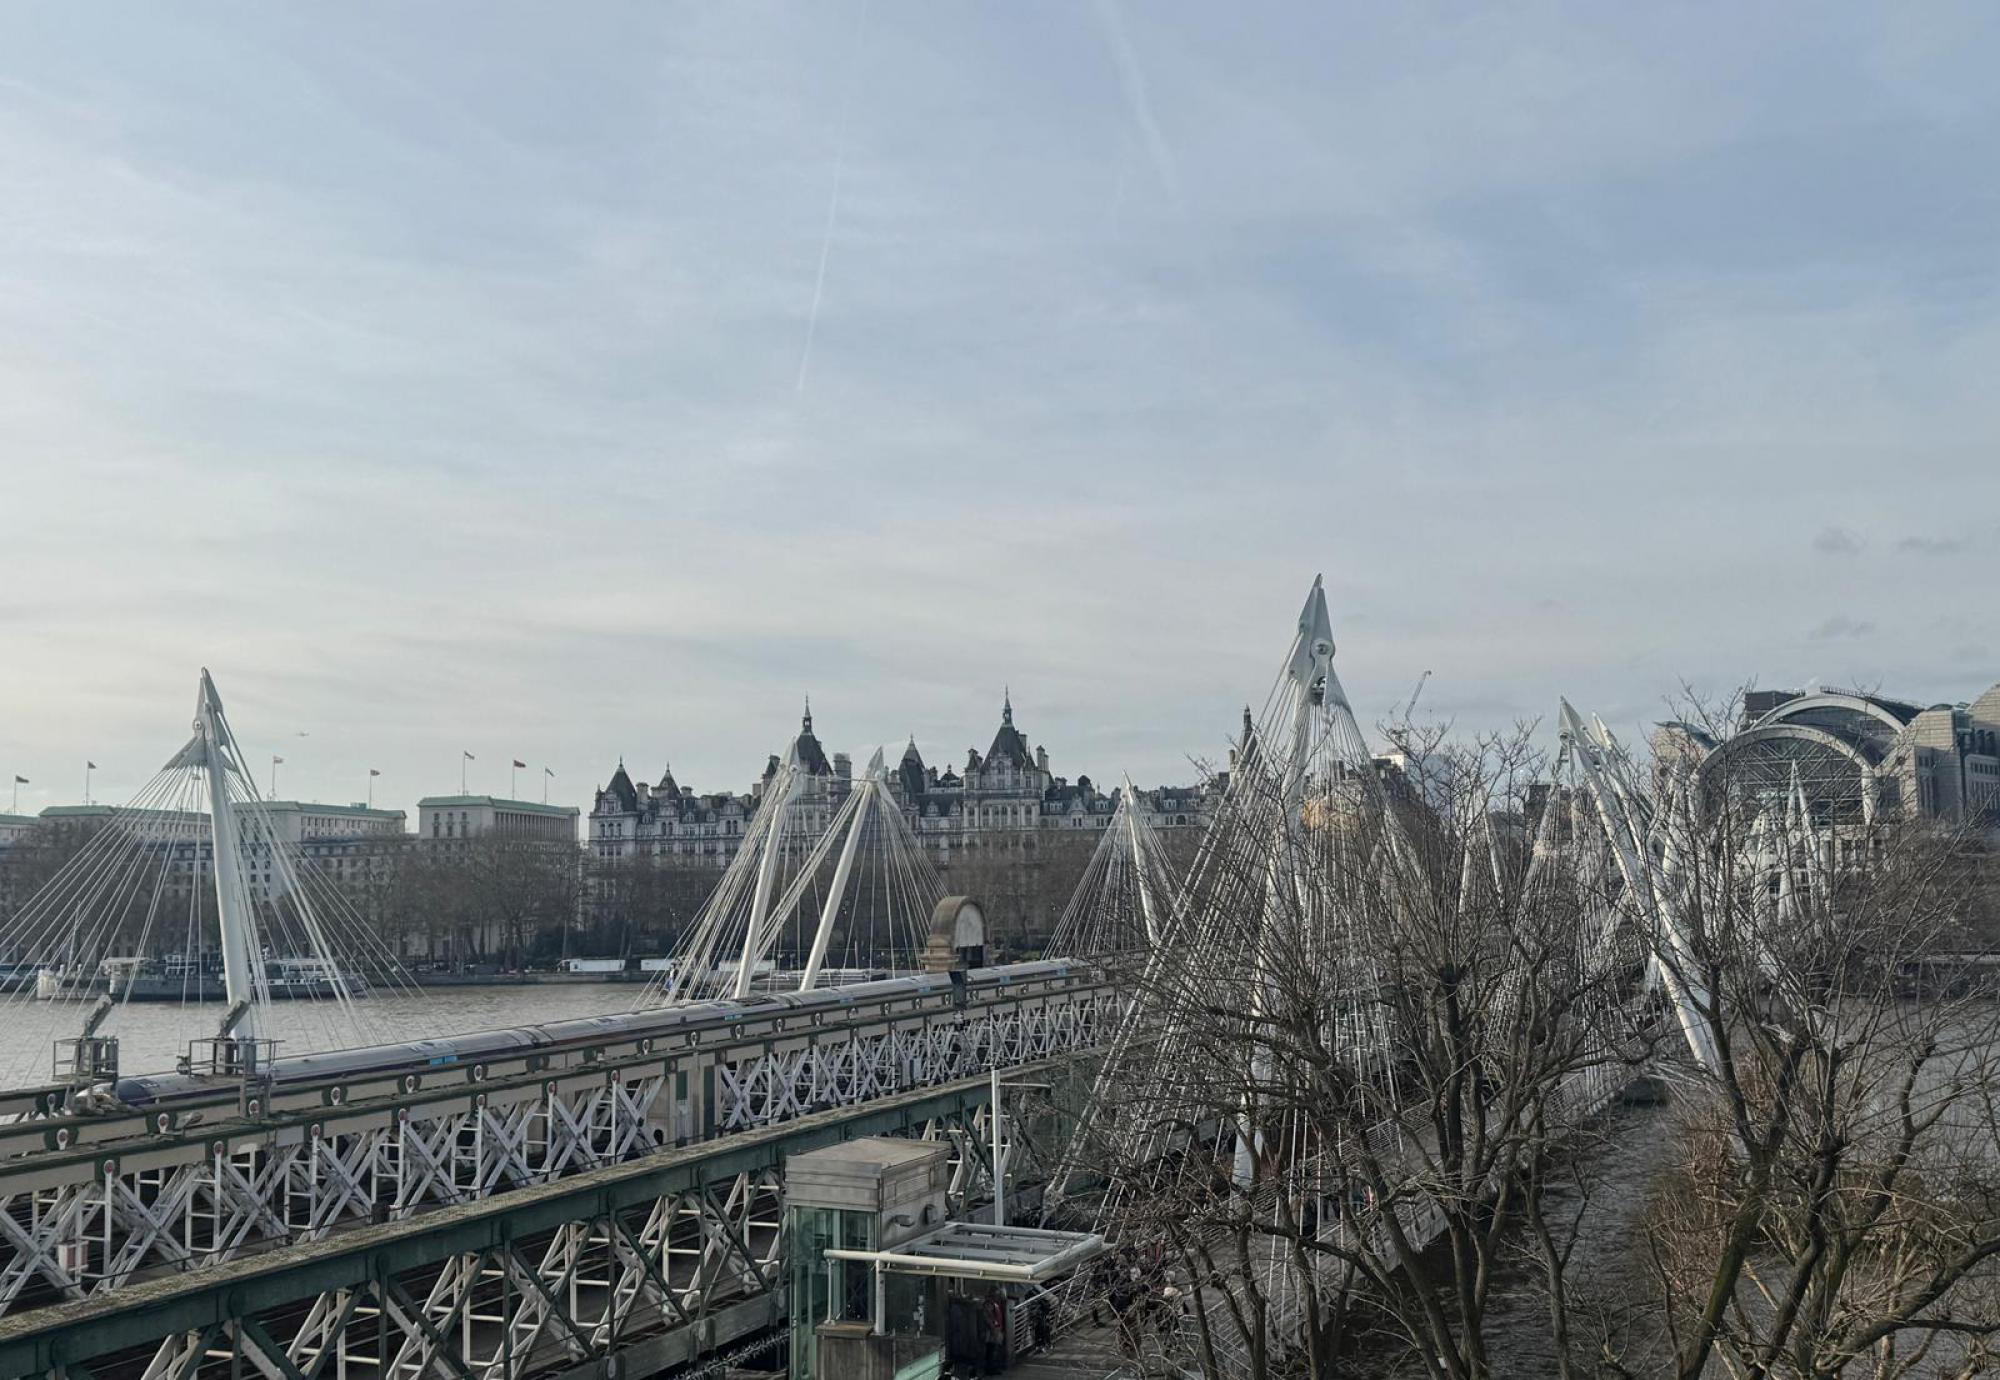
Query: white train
{"type": "Point", "coordinates": [560, 1044]}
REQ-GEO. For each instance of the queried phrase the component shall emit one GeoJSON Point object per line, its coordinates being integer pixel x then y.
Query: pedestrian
{"type": "Point", "coordinates": [1040, 1323]}
{"type": "Point", "coordinates": [993, 1331]}
{"type": "Point", "coordinates": [1103, 1278]}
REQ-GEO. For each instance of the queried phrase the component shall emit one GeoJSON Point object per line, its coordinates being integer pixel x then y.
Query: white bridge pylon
{"type": "Point", "coordinates": [1124, 901]}
{"type": "Point", "coordinates": [192, 874]}
{"type": "Point", "coordinates": [1283, 856]}
{"type": "Point", "coordinates": [779, 915]}
{"type": "Point", "coordinates": [1644, 847]}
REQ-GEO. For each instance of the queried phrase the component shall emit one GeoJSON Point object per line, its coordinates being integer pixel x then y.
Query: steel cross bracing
{"type": "Point", "coordinates": [80, 1219]}
{"type": "Point", "coordinates": [655, 1262]}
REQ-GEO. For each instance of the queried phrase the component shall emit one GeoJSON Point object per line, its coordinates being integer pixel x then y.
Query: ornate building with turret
{"type": "Point", "coordinates": [998, 798]}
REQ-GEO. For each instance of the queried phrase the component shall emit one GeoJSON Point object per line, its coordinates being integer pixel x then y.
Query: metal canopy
{"type": "Point", "coordinates": [980, 1250]}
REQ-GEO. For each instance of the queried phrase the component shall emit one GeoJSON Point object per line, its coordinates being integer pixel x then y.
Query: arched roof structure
{"type": "Point", "coordinates": [1854, 717]}
{"type": "Point", "coordinates": [1835, 770]}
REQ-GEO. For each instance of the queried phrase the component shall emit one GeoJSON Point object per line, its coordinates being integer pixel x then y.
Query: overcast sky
{"type": "Point", "coordinates": [568, 382]}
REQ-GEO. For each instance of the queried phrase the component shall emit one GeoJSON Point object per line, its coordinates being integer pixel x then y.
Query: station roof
{"type": "Point", "coordinates": [980, 1250]}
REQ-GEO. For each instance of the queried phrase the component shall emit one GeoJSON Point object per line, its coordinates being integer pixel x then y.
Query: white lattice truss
{"type": "Point", "coordinates": [585, 1290]}
{"type": "Point", "coordinates": [72, 1224]}
{"type": "Point", "coordinates": [685, 1272]}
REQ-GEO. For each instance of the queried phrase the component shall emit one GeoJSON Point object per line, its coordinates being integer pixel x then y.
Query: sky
{"type": "Point", "coordinates": [569, 383]}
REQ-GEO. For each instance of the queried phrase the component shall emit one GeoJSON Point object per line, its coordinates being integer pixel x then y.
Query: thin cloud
{"type": "Point", "coordinates": [1841, 626]}
{"type": "Point", "coordinates": [1839, 541]}
{"type": "Point", "coordinates": [1931, 546]}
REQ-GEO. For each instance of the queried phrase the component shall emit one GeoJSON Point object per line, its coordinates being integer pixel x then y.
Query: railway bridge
{"type": "Point", "coordinates": [629, 1267]}
{"type": "Point", "coordinates": [199, 1172]}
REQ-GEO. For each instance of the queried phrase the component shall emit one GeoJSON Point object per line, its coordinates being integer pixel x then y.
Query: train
{"type": "Point", "coordinates": [556, 1043]}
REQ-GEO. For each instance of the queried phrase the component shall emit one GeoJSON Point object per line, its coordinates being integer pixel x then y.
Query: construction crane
{"type": "Point", "coordinates": [1411, 706]}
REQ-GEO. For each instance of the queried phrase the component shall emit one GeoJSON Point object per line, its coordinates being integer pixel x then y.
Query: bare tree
{"type": "Point", "coordinates": [641, 904]}
{"type": "Point", "coordinates": [1386, 1008]}
{"type": "Point", "coordinates": [1833, 1206]}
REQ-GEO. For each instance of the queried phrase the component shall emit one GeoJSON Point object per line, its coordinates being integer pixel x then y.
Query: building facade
{"type": "Point", "coordinates": [344, 841]}
{"type": "Point", "coordinates": [456, 817]}
{"type": "Point", "coordinates": [13, 829]}
{"type": "Point", "coordinates": [673, 822]}
{"type": "Point", "coordinates": [997, 798]}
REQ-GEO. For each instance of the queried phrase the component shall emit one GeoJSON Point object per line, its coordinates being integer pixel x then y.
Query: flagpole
{"type": "Point", "coordinates": [513, 781]}
{"type": "Point", "coordinates": [275, 759]}
{"type": "Point", "coordinates": [87, 765]}
{"type": "Point", "coordinates": [547, 772]}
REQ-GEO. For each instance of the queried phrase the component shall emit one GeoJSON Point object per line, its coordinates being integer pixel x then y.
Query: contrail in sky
{"type": "Point", "coordinates": [1139, 98]}
{"type": "Point", "coordinates": [833, 200]}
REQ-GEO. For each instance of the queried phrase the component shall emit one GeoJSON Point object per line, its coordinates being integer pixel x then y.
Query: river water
{"type": "Point", "coordinates": [152, 1035]}
{"type": "Point", "coordinates": [1609, 1269]}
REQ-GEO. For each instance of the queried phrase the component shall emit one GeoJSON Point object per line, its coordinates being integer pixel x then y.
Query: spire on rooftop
{"type": "Point", "coordinates": [1008, 744]}
{"type": "Point", "coordinates": [621, 787]}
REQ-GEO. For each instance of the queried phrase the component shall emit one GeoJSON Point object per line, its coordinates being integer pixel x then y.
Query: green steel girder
{"type": "Point", "coordinates": [652, 1271]}
{"type": "Point", "coordinates": [557, 1311]}
{"type": "Point", "coordinates": [69, 1334]}
{"type": "Point", "coordinates": [442, 1351]}
{"type": "Point", "coordinates": [268, 1345]}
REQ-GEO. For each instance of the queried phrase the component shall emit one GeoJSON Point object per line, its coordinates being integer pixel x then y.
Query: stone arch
{"type": "Point", "coordinates": [958, 935]}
